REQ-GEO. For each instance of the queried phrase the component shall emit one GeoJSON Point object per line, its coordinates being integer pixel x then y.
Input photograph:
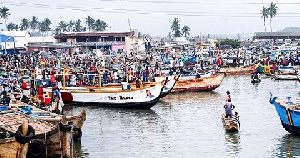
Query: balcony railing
{"type": "Point", "coordinates": [94, 43]}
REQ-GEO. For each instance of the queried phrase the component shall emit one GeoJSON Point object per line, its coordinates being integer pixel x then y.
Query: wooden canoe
{"type": "Point", "coordinates": [228, 124]}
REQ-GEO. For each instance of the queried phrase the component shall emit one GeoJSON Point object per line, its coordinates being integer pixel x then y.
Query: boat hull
{"type": "Point", "coordinates": [290, 119]}
{"type": "Point", "coordinates": [138, 99]}
{"type": "Point", "coordinates": [128, 105]}
{"type": "Point", "coordinates": [294, 130]}
{"type": "Point", "coordinates": [199, 84]}
{"type": "Point", "coordinates": [228, 125]}
{"type": "Point", "coordinates": [286, 77]}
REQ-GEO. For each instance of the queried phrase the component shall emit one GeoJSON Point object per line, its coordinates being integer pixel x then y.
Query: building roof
{"type": "Point", "coordinates": [5, 38]}
{"type": "Point", "coordinates": [276, 35]}
{"type": "Point", "coordinates": [88, 34]}
{"type": "Point", "coordinates": [15, 33]}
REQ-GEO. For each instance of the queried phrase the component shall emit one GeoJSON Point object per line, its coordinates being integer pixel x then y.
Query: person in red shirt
{"type": "Point", "coordinates": [24, 86]}
{"type": "Point", "coordinates": [40, 93]}
{"type": "Point", "coordinates": [52, 78]}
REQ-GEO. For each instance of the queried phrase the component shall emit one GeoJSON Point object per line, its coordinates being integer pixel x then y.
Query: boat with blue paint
{"type": "Point", "coordinates": [288, 112]}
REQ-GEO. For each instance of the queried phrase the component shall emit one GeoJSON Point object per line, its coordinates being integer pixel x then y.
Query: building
{"type": "Point", "coordinates": [16, 41]}
{"type": "Point", "coordinates": [277, 35]}
{"type": "Point", "coordinates": [93, 41]}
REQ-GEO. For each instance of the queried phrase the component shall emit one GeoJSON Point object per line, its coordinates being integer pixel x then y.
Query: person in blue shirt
{"type": "Point", "coordinates": [56, 93]}
{"type": "Point", "coordinates": [228, 108]}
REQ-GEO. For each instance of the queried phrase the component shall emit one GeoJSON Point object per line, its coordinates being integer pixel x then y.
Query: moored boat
{"type": "Point", "coordinates": [238, 70]}
{"type": "Point", "coordinates": [199, 84]}
{"type": "Point", "coordinates": [285, 77]}
{"type": "Point", "coordinates": [34, 139]}
{"type": "Point", "coordinates": [289, 114]}
{"type": "Point", "coordinates": [142, 98]}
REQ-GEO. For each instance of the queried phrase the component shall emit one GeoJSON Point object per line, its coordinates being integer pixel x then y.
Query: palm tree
{"type": "Point", "coordinates": [24, 24]}
{"type": "Point", "coordinates": [4, 13]}
{"type": "Point", "coordinates": [77, 26]}
{"type": "Point", "coordinates": [89, 22]}
{"type": "Point", "coordinates": [44, 26]}
{"type": "Point", "coordinates": [175, 27]}
{"type": "Point", "coordinates": [63, 26]}
{"type": "Point", "coordinates": [185, 30]}
{"type": "Point", "coordinates": [56, 31]}
{"type": "Point", "coordinates": [34, 23]}
{"type": "Point", "coordinates": [100, 25]}
{"type": "Point", "coordinates": [70, 26]}
{"type": "Point", "coordinates": [272, 12]}
{"type": "Point", "coordinates": [264, 14]}
{"type": "Point", "coordinates": [11, 26]}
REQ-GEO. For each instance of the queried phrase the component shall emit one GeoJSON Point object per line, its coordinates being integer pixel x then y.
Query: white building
{"type": "Point", "coordinates": [22, 39]}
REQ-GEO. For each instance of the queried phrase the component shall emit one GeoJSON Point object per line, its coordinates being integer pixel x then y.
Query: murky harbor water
{"type": "Point", "coordinates": [189, 125]}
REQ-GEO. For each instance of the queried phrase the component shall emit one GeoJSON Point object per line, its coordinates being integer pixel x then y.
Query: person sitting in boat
{"type": "Point", "coordinates": [235, 118]}
{"type": "Point", "coordinates": [228, 96]}
{"type": "Point", "coordinates": [228, 108]}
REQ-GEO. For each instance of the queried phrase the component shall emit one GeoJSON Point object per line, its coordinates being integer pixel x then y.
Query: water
{"type": "Point", "coordinates": [189, 125]}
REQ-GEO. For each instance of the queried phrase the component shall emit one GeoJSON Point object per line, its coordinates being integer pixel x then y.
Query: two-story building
{"type": "Point", "coordinates": [92, 41]}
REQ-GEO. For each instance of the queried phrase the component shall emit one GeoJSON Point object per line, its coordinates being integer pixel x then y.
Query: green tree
{"type": "Point", "coordinates": [24, 24]}
{"type": "Point", "coordinates": [34, 23]}
{"type": "Point", "coordinates": [175, 27]}
{"type": "Point", "coordinates": [272, 12]}
{"type": "Point", "coordinates": [77, 26]}
{"type": "Point", "coordinates": [185, 30]}
{"type": "Point", "coordinates": [90, 23]}
{"type": "Point", "coordinates": [100, 25]}
{"type": "Point", "coordinates": [264, 14]}
{"type": "Point", "coordinates": [11, 26]}
{"type": "Point", "coordinates": [56, 31]}
{"type": "Point", "coordinates": [4, 13]}
{"type": "Point", "coordinates": [62, 26]}
{"type": "Point", "coordinates": [234, 43]}
{"type": "Point", "coordinates": [71, 26]}
{"type": "Point", "coordinates": [44, 26]}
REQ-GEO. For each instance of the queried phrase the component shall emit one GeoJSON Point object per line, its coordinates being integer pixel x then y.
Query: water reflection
{"type": "Point", "coordinates": [289, 146]}
{"type": "Point", "coordinates": [233, 142]}
{"type": "Point", "coordinates": [78, 152]}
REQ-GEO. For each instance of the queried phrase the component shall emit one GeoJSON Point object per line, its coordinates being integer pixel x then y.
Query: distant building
{"type": "Point", "coordinates": [277, 35]}
{"type": "Point", "coordinates": [15, 41]}
{"type": "Point", "coordinates": [114, 41]}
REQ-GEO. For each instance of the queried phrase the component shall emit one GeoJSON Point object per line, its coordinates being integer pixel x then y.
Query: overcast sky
{"type": "Point", "coordinates": [154, 17]}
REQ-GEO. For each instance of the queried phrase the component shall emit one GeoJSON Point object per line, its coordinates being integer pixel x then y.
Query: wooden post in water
{"type": "Point", "coordinates": [23, 147]}
{"type": "Point", "coordinates": [66, 139]}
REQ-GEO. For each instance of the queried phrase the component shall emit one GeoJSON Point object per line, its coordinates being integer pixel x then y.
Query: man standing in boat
{"type": "Point", "coordinates": [228, 108]}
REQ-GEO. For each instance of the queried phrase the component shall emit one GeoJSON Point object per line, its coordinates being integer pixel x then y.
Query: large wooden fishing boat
{"type": "Point", "coordinates": [199, 84]}
{"type": "Point", "coordinates": [35, 139]}
{"type": "Point", "coordinates": [289, 114]}
{"type": "Point", "coordinates": [140, 98]}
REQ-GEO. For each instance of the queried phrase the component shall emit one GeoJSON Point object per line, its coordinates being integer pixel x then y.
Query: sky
{"type": "Point", "coordinates": [154, 17]}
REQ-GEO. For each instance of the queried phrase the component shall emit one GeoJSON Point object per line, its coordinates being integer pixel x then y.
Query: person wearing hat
{"type": "Point", "coordinates": [228, 96]}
